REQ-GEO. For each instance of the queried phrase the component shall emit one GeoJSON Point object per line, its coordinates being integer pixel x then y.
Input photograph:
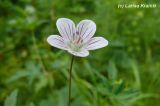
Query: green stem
{"type": "Point", "coordinates": [70, 81]}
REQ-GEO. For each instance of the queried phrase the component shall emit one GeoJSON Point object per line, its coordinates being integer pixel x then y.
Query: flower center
{"type": "Point", "coordinates": [76, 44]}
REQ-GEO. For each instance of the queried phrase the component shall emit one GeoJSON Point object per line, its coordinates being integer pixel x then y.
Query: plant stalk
{"type": "Point", "coordinates": [70, 81]}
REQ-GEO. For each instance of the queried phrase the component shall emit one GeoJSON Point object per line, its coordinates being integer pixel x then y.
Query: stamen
{"type": "Point", "coordinates": [79, 39]}
{"type": "Point", "coordinates": [76, 44]}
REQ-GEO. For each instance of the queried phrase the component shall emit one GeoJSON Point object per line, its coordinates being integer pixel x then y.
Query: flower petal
{"type": "Point", "coordinates": [66, 28]}
{"type": "Point", "coordinates": [83, 53]}
{"type": "Point", "coordinates": [96, 43]}
{"type": "Point", "coordinates": [57, 41]}
{"type": "Point", "coordinates": [86, 29]}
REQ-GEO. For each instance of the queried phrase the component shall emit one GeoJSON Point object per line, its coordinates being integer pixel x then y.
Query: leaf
{"type": "Point", "coordinates": [11, 99]}
{"type": "Point", "coordinates": [136, 73]}
{"type": "Point", "coordinates": [143, 96]}
{"type": "Point", "coordinates": [17, 76]}
{"type": "Point", "coordinates": [43, 81]}
{"type": "Point", "coordinates": [120, 87]}
{"type": "Point", "coordinates": [31, 104]}
{"type": "Point", "coordinates": [129, 94]}
{"type": "Point", "coordinates": [112, 71]}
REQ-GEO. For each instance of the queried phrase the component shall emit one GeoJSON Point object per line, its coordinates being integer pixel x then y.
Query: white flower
{"type": "Point", "coordinates": [77, 40]}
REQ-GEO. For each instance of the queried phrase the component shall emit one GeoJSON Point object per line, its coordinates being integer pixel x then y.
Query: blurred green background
{"type": "Point", "coordinates": [125, 73]}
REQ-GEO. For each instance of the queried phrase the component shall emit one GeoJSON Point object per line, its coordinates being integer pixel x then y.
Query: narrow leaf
{"type": "Point", "coordinates": [11, 99]}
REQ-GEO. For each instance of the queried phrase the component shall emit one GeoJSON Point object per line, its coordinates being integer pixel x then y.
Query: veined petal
{"type": "Point", "coordinates": [66, 28]}
{"type": "Point", "coordinates": [57, 41]}
{"type": "Point", "coordinates": [96, 43]}
{"type": "Point", "coordinates": [86, 29]}
{"type": "Point", "coordinates": [83, 53]}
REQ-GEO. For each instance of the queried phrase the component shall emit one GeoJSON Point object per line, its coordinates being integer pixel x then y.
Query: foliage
{"type": "Point", "coordinates": [126, 73]}
{"type": "Point", "coordinates": [11, 100]}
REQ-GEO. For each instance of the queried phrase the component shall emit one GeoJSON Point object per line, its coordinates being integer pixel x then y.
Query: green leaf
{"type": "Point", "coordinates": [43, 82]}
{"type": "Point", "coordinates": [112, 71]}
{"type": "Point", "coordinates": [120, 87]}
{"type": "Point", "coordinates": [143, 96]}
{"type": "Point", "coordinates": [11, 99]}
{"type": "Point", "coordinates": [136, 73]}
{"type": "Point", "coordinates": [18, 75]}
{"type": "Point", "coordinates": [31, 104]}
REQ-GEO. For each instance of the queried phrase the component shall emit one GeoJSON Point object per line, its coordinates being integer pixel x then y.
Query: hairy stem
{"type": "Point", "coordinates": [70, 81]}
